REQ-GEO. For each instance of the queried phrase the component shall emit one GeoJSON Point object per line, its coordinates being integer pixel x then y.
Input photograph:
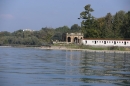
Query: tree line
{"type": "Point", "coordinates": [44, 36]}
{"type": "Point", "coordinates": [115, 26]}
{"type": "Point", "coordinates": [110, 26]}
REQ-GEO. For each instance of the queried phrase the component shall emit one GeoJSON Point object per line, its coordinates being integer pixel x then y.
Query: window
{"type": "Point", "coordinates": [95, 42]}
{"type": "Point", "coordinates": [124, 43]}
{"type": "Point", "coordinates": [104, 42]}
{"type": "Point", "coordinates": [114, 42]}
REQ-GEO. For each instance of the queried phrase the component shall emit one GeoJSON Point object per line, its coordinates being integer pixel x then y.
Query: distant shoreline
{"type": "Point", "coordinates": [73, 49]}
{"type": "Point", "coordinates": [5, 46]}
{"type": "Point", "coordinates": [65, 48]}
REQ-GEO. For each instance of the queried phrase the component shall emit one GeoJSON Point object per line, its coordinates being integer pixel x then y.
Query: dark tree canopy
{"type": "Point", "coordinates": [110, 26]}
{"type": "Point", "coordinates": [75, 28]}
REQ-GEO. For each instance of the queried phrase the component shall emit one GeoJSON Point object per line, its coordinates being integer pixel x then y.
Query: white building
{"type": "Point", "coordinates": [101, 42]}
{"type": "Point", "coordinates": [28, 30]}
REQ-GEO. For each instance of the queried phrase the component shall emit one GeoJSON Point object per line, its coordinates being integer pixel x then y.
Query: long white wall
{"type": "Point", "coordinates": [106, 42]}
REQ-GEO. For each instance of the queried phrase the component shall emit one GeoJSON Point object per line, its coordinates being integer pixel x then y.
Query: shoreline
{"type": "Point", "coordinates": [5, 46]}
{"type": "Point", "coordinates": [72, 49]}
{"type": "Point", "coordinates": [69, 49]}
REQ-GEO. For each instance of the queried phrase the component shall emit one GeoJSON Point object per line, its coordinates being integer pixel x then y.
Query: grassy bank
{"type": "Point", "coordinates": [76, 46]}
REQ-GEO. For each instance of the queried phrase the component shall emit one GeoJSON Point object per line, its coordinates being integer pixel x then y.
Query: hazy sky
{"type": "Point", "coordinates": [35, 14]}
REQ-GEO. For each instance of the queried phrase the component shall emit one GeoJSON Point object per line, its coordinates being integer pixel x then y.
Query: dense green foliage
{"type": "Point", "coordinates": [44, 36]}
{"type": "Point", "coordinates": [110, 26]}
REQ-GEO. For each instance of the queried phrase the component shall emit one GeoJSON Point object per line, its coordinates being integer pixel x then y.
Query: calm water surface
{"type": "Point", "coordinates": [35, 67]}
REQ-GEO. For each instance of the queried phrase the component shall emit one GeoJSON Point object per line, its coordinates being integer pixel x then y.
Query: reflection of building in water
{"type": "Point", "coordinates": [107, 65]}
{"type": "Point", "coordinates": [72, 60]}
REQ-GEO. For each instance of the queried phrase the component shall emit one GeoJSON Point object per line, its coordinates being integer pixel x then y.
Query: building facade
{"type": "Point", "coordinates": [77, 38]}
{"type": "Point", "coordinates": [104, 42]}
{"type": "Point", "coordinates": [74, 37]}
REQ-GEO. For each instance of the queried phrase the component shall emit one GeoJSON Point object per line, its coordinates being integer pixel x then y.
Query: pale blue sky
{"type": "Point", "coordinates": [35, 14]}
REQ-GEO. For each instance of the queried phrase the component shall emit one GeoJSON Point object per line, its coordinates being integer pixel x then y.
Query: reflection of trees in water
{"type": "Point", "coordinates": [105, 67]}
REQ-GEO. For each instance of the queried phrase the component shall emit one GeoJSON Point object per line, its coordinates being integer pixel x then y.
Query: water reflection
{"type": "Point", "coordinates": [35, 67]}
{"type": "Point", "coordinates": [105, 67]}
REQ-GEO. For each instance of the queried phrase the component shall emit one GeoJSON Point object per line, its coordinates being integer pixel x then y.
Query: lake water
{"type": "Point", "coordinates": [37, 67]}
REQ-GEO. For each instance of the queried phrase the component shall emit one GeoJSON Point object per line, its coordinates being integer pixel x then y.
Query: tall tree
{"type": "Point", "coordinates": [101, 25]}
{"type": "Point", "coordinates": [126, 26]}
{"type": "Point", "coordinates": [117, 23]}
{"type": "Point", "coordinates": [87, 22]}
{"type": "Point", "coordinates": [108, 32]}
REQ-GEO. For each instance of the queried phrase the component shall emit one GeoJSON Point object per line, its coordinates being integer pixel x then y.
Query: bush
{"type": "Point", "coordinates": [114, 48]}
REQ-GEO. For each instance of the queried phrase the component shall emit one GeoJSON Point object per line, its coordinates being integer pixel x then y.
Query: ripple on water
{"type": "Point", "coordinates": [34, 67]}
